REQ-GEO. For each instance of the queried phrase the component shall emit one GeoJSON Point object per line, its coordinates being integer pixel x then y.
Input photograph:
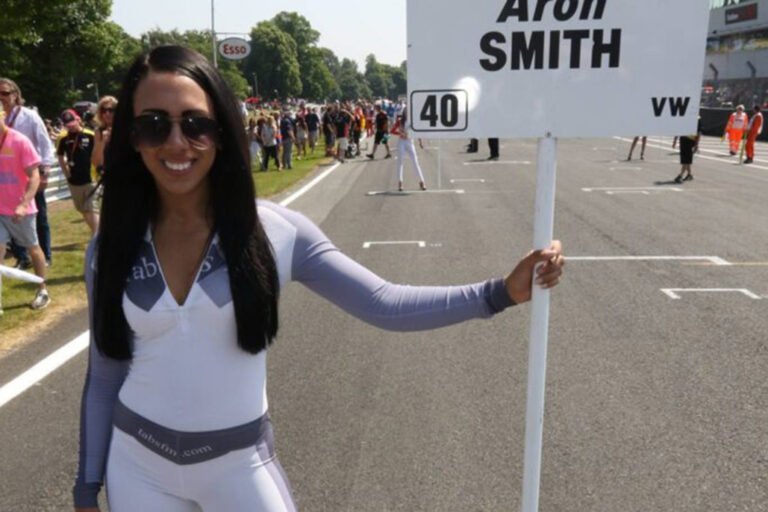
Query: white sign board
{"type": "Point", "coordinates": [234, 48]}
{"type": "Point", "coordinates": [568, 68]}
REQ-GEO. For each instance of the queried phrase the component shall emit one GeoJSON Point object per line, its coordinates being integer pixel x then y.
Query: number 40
{"type": "Point", "coordinates": [448, 115]}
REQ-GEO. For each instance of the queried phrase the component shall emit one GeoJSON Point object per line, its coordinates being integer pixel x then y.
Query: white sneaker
{"type": "Point", "coordinates": [41, 300]}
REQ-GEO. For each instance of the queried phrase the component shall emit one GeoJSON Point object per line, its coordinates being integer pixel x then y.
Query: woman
{"type": "Point", "coordinates": [301, 137]}
{"type": "Point", "coordinates": [105, 115]}
{"type": "Point", "coordinates": [253, 142]}
{"type": "Point", "coordinates": [268, 135]}
{"type": "Point", "coordinates": [406, 148]}
{"type": "Point", "coordinates": [174, 405]}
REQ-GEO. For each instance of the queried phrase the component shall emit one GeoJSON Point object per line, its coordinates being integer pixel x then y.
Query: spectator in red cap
{"type": "Point", "coordinates": [75, 150]}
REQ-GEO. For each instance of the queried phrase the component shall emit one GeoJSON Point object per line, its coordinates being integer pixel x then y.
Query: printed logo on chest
{"type": "Point", "coordinates": [145, 283]}
{"type": "Point", "coordinates": [214, 278]}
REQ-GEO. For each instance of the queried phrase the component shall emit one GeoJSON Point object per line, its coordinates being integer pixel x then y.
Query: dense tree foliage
{"type": "Point", "coordinates": [384, 80]}
{"type": "Point", "coordinates": [274, 59]}
{"type": "Point", "coordinates": [62, 51]}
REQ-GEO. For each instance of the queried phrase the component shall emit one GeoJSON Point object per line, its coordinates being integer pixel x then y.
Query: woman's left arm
{"type": "Point", "coordinates": [320, 266]}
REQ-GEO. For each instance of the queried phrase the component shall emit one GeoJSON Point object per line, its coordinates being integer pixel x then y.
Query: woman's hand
{"type": "Point", "coordinates": [520, 280]}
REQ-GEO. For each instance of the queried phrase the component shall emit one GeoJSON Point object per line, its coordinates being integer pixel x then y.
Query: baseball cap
{"type": "Point", "coordinates": [70, 118]}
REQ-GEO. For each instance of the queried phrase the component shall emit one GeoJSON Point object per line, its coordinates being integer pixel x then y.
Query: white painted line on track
{"type": "Point", "coordinates": [613, 192]}
{"type": "Point", "coordinates": [52, 362]}
{"type": "Point", "coordinates": [291, 198]}
{"type": "Point", "coordinates": [469, 180]}
{"type": "Point", "coordinates": [672, 293]}
{"type": "Point", "coordinates": [39, 371]}
{"type": "Point", "coordinates": [631, 189]}
{"type": "Point", "coordinates": [625, 169]}
{"type": "Point", "coordinates": [497, 162]}
{"type": "Point", "coordinates": [420, 243]}
{"type": "Point", "coordinates": [714, 260]}
{"type": "Point", "coordinates": [409, 192]}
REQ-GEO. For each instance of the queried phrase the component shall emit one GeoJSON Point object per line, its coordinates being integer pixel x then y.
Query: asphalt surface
{"type": "Point", "coordinates": [653, 403]}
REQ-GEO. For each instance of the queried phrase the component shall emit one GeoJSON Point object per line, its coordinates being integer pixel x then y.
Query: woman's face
{"type": "Point", "coordinates": [107, 113]}
{"type": "Point", "coordinates": [179, 165]}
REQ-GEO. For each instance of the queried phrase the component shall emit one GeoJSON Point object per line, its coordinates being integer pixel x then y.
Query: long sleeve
{"type": "Point", "coordinates": [43, 143]}
{"type": "Point", "coordinates": [103, 380]}
{"type": "Point", "coordinates": [321, 267]}
{"type": "Point", "coordinates": [30, 124]}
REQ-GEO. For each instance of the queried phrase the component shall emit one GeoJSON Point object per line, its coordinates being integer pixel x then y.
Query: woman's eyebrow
{"type": "Point", "coordinates": [192, 112]}
{"type": "Point", "coordinates": [196, 112]}
{"type": "Point", "coordinates": [154, 111]}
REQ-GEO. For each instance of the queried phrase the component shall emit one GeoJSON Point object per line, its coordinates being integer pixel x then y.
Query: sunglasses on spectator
{"type": "Point", "coordinates": [5, 94]}
{"type": "Point", "coordinates": [105, 110]}
{"type": "Point", "coordinates": [152, 130]}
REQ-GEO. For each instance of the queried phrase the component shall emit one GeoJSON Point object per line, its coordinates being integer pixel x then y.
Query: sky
{"type": "Point", "coordinates": [352, 30]}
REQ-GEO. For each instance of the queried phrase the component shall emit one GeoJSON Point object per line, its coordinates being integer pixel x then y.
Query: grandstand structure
{"type": "Point", "coordinates": [736, 66]}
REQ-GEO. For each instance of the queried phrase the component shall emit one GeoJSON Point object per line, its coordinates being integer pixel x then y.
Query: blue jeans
{"type": "Point", "coordinates": [287, 153]}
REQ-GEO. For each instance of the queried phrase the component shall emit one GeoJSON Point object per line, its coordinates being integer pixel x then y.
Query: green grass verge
{"type": "Point", "coordinates": [70, 238]}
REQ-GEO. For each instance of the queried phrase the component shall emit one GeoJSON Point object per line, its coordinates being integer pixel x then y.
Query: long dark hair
{"type": "Point", "coordinates": [131, 202]}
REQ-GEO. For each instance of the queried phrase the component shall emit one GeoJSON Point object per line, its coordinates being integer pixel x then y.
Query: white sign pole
{"type": "Point", "coordinates": [440, 164]}
{"type": "Point", "coordinates": [537, 357]}
{"type": "Point", "coordinates": [15, 273]}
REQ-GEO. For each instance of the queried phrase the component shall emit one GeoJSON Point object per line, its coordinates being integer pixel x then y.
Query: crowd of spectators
{"type": "Point", "coordinates": [281, 133]}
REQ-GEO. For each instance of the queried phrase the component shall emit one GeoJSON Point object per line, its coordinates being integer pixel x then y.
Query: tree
{"type": "Point", "coordinates": [317, 79]}
{"type": "Point", "coordinates": [119, 55]}
{"type": "Point", "coordinates": [299, 28]}
{"type": "Point", "coordinates": [274, 59]}
{"type": "Point", "coordinates": [48, 48]}
{"type": "Point", "coordinates": [331, 61]}
{"type": "Point", "coordinates": [351, 82]}
{"type": "Point", "coordinates": [385, 80]}
{"type": "Point", "coordinates": [29, 21]}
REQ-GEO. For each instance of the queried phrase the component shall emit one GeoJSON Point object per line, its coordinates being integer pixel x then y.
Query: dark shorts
{"type": "Point", "coordinates": [686, 150]}
{"type": "Point", "coordinates": [380, 137]}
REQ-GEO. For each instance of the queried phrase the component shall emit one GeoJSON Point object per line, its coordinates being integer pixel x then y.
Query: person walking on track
{"type": "Point", "coordinates": [754, 129]}
{"type": "Point", "coordinates": [734, 130]}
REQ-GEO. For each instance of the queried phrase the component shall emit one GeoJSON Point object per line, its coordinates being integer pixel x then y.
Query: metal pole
{"type": "Point", "coordinates": [537, 356]}
{"type": "Point", "coordinates": [439, 164]}
{"type": "Point", "coordinates": [213, 37]}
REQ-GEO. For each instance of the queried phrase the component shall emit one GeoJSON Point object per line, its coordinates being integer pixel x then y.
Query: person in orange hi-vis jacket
{"type": "Point", "coordinates": [737, 123]}
{"type": "Point", "coordinates": [754, 129]}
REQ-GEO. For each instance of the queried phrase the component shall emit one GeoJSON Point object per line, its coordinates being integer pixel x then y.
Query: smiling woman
{"type": "Point", "coordinates": [183, 283]}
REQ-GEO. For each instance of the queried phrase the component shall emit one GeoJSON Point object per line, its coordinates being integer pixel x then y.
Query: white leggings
{"type": "Point", "coordinates": [141, 480]}
{"type": "Point", "coordinates": [406, 146]}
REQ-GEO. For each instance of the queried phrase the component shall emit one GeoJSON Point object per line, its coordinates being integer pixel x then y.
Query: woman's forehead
{"type": "Point", "coordinates": [171, 92]}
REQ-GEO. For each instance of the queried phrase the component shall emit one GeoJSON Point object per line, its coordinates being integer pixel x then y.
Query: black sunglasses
{"type": "Point", "coordinates": [107, 109]}
{"type": "Point", "coordinates": [6, 93]}
{"type": "Point", "coordinates": [152, 130]}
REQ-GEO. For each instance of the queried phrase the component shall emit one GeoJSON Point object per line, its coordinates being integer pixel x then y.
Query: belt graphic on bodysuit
{"type": "Point", "coordinates": [185, 448]}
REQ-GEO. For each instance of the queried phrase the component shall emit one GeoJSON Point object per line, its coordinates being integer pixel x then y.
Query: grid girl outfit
{"type": "Point", "coordinates": [183, 426]}
{"type": "Point", "coordinates": [406, 147]}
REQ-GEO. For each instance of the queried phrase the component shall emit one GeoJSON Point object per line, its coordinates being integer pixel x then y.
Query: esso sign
{"type": "Point", "coordinates": [234, 48]}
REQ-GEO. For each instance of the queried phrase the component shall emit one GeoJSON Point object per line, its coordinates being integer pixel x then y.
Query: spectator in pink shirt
{"type": "Point", "coordinates": [19, 180]}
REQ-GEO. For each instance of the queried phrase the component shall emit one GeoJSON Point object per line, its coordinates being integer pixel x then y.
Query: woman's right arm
{"type": "Point", "coordinates": [103, 380]}
{"type": "Point", "coordinates": [97, 155]}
